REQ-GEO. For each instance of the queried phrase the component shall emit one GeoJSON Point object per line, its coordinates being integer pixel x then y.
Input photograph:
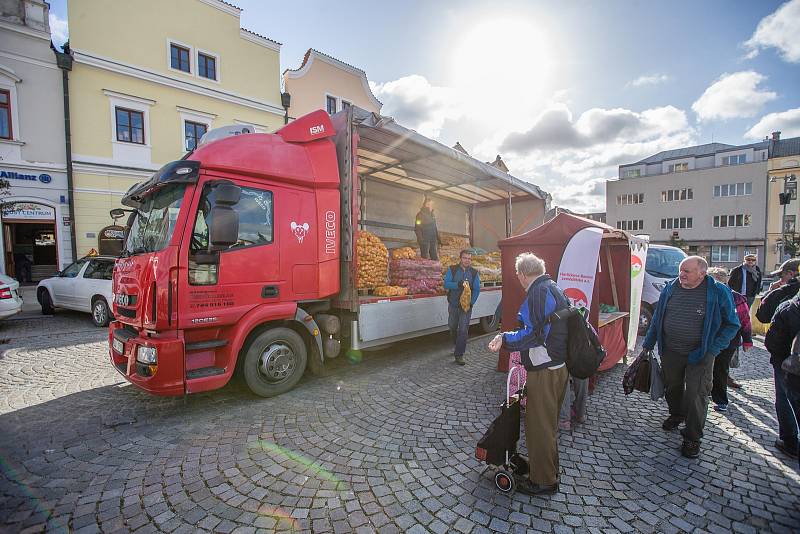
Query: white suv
{"type": "Point", "coordinates": [83, 286]}
{"type": "Point", "coordinates": [661, 266]}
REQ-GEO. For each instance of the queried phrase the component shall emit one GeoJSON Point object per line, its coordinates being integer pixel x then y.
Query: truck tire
{"type": "Point", "coordinates": [645, 317]}
{"type": "Point", "coordinates": [274, 362]}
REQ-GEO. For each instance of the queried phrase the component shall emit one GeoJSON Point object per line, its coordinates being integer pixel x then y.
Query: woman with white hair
{"type": "Point", "coordinates": [543, 347]}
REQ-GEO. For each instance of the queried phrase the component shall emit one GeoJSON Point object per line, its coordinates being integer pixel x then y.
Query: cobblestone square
{"type": "Point", "coordinates": [385, 445]}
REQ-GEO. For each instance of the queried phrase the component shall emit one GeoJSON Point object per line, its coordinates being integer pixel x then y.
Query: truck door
{"type": "Point", "coordinates": [222, 286]}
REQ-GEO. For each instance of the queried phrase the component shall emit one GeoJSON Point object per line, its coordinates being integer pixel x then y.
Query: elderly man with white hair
{"type": "Point", "coordinates": [695, 319]}
{"type": "Point", "coordinates": [543, 347]}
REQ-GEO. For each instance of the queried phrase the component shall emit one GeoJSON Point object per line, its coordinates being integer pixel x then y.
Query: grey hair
{"type": "Point", "coordinates": [720, 274]}
{"type": "Point", "coordinates": [529, 264]}
{"type": "Point", "coordinates": [702, 264]}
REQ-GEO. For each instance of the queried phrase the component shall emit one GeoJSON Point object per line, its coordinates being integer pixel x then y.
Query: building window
{"type": "Point", "coordinates": [738, 159]}
{"type": "Point", "coordinates": [789, 224]}
{"type": "Point", "coordinates": [345, 105]}
{"type": "Point", "coordinates": [678, 167]}
{"type": "Point", "coordinates": [193, 131]}
{"type": "Point", "coordinates": [733, 190]}
{"type": "Point", "coordinates": [727, 221]}
{"type": "Point", "coordinates": [724, 253]}
{"type": "Point", "coordinates": [330, 102]}
{"type": "Point", "coordinates": [130, 126]}
{"type": "Point", "coordinates": [635, 225]}
{"type": "Point", "coordinates": [207, 66]}
{"type": "Point", "coordinates": [676, 223]}
{"type": "Point", "coordinates": [630, 198]}
{"type": "Point", "coordinates": [674, 195]}
{"type": "Point", "coordinates": [633, 173]}
{"type": "Point", "coordinates": [179, 58]}
{"type": "Point", "coordinates": [5, 115]}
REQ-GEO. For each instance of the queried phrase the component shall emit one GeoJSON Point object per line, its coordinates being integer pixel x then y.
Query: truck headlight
{"type": "Point", "coordinates": [147, 355]}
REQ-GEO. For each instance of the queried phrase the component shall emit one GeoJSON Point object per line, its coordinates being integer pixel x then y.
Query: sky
{"type": "Point", "coordinates": [564, 91]}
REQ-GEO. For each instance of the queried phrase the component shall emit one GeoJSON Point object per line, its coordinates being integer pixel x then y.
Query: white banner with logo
{"type": "Point", "coordinates": [579, 267]}
{"type": "Point", "coordinates": [639, 245]}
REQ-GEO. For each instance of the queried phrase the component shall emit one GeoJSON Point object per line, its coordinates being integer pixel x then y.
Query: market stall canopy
{"type": "Point", "coordinates": [390, 152]}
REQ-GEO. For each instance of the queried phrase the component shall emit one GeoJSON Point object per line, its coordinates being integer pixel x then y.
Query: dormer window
{"type": "Point", "coordinates": [738, 159]}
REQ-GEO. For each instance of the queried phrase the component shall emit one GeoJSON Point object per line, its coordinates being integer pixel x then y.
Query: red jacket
{"type": "Point", "coordinates": [745, 334]}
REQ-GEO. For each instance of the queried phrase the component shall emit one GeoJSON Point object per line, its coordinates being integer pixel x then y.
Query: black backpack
{"type": "Point", "coordinates": [773, 299]}
{"type": "Point", "coordinates": [584, 351]}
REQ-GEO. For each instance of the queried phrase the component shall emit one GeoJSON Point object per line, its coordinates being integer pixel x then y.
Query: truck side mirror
{"type": "Point", "coordinates": [224, 230]}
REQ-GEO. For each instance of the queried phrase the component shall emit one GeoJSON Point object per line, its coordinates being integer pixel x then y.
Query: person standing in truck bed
{"type": "Point", "coordinates": [427, 232]}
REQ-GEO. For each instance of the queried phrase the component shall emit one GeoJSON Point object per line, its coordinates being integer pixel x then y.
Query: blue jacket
{"type": "Point", "coordinates": [720, 324]}
{"type": "Point", "coordinates": [543, 298]}
{"type": "Point", "coordinates": [455, 285]}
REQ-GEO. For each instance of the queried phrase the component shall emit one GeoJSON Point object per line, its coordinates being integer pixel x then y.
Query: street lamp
{"type": "Point", "coordinates": [784, 199]}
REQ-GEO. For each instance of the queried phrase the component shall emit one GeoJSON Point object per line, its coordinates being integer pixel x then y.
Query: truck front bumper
{"type": "Point", "coordinates": [165, 377]}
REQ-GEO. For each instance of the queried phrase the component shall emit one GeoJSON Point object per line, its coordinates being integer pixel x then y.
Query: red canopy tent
{"type": "Point", "coordinates": [612, 284]}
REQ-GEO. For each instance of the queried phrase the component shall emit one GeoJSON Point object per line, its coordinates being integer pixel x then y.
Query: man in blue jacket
{"type": "Point", "coordinates": [543, 346]}
{"type": "Point", "coordinates": [694, 320]}
{"type": "Point", "coordinates": [456, 279]}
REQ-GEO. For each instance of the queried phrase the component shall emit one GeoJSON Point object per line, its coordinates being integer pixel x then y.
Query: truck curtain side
{"type": "Point", "coordinates": [385, 172]}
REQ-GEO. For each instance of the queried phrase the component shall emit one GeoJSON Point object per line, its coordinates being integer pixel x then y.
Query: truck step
{"type": "Point", "coordinates": [205, 345]}
{"type": "Point", "coordinates": [491, 284]}
{"type": "Point", "coordinates": [204, 372]}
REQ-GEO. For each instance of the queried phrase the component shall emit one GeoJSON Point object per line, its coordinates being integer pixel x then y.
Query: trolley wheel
{"type": "Point", "coordinates": [519, 465]}
{"type": "Point", "coordinates": [504, 481]}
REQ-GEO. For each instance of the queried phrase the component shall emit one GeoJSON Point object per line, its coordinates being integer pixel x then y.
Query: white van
{"type": "Point", "coordinates": [661, 267]}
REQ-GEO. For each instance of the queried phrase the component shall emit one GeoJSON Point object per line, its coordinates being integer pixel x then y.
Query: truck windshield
{"type": "Point", "coordinates": [664, 262]}
{"type": "Point", "coordinates": [151, 229]}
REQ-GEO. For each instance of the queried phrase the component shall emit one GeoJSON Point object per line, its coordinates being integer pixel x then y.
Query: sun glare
{"type": "Point", "coordinates": [506, 56]}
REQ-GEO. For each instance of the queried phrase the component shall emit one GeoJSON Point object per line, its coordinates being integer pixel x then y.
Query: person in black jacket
{"type": "Point", "coordinates": [785, 326]}
{"type": "Point", "coordinates": [427, 232]}
{"type": "Point", "coordinates": [746, 278]}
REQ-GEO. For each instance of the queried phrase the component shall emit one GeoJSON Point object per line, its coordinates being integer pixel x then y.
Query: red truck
{"type": "Point", "coordinates": [241, 257]}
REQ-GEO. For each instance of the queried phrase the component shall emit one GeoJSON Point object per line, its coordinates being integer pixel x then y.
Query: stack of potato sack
{"type": "Point", "coordinates": [390, 291]}
{"type": "Point", "coordinates": [488, 267]}
{"type": "Point", "coordinates": [373, 261]}
{"type": "Point", "coordinates": [419, 276]}
{"type": "Point", "coordinates": [405, 253]}
{"type": "Point", "coordinates": [452, 245]}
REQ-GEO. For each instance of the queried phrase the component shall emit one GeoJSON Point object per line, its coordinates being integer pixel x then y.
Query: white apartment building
{"type": "Point", "coordinates": [711, 199]}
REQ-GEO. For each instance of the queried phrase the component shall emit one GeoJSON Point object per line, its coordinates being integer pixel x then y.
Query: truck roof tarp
{"type": "Point", "coordinates": [390, 152]}
{"type": "Point", "coordinates": [548, 242]}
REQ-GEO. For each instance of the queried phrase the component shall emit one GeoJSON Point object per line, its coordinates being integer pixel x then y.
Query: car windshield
{"type": "Point", "coordinates": [664, 262]}
{"type": "Point", "coordinates": [152, 227]}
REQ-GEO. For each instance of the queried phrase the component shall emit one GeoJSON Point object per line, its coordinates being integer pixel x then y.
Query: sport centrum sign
{"type": "Point", "coordinates": [28, 210]}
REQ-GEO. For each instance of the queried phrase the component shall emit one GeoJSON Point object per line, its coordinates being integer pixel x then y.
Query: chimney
{"type": "Point", "coordinates": [776, 136]}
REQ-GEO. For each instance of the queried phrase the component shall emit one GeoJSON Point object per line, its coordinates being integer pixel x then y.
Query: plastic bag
{"type": "Point", "coordinates": [657, 389]}
{"type": "Point", "coordinates": [735, 360]}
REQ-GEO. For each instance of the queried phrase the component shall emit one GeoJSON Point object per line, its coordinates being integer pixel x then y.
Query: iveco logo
{"type": "Point", "coordinates": [123, 300]}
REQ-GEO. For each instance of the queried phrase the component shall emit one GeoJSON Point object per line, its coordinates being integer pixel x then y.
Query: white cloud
{"type": "Point", "coordinates": [417, 104]}
{"type": "Point", "coordinates": [778, 30]}
{"type": "Point", "coordinates": [733, 96]}
{"type": "Point", "coordinates": [787, 122]}
{"type": "Point", "coordinates": [653, 79]}
{"type": "Point", "coordinates": [571, 158]}
{"type": "Point", "coordinates": [59, 31]}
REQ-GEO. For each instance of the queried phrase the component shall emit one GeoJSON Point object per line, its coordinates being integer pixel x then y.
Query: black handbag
{"type": "Point", "coordinates": [637, 376]}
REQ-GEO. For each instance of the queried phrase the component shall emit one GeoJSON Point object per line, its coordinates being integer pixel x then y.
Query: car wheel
{"type": "Point", "coordinates": [46, 302]}
{"type": "Point", "coordinates": [101, 315]}
{"type": "Point", "coordinates": [274, 362]}
{"type": "Point", "coordinates": [645, 317]}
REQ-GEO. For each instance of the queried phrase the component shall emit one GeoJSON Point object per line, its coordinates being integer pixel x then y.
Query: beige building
{"type": "Point", "coordinates": [324, 82]}
{"type": "Point", "coordinates": [149, 79]}
{"type": "Point", "coordinates": [784, 172]}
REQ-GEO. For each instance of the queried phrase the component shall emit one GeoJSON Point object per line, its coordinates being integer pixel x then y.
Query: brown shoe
{"type": "Point", "coordinates": [529, 488]}
{"type": "Point", "coordinates": [672, 422]}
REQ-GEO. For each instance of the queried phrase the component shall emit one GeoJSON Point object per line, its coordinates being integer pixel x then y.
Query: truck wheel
{"type": "Point", "coordinates": [274, 362]}
{"type": "Point", "coordinates": [46, 302]}
{"type": "Point", "coordinates": [490, 324]}
{"type": "Point", "coordinates": [645, 317]}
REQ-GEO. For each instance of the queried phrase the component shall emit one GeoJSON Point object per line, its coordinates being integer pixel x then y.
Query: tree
{"type": "Point", "coordinates": [678, 242]}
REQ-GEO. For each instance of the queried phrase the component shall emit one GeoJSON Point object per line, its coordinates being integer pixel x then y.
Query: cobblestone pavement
{"type": "Point", "coordinates": [386, 445]}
